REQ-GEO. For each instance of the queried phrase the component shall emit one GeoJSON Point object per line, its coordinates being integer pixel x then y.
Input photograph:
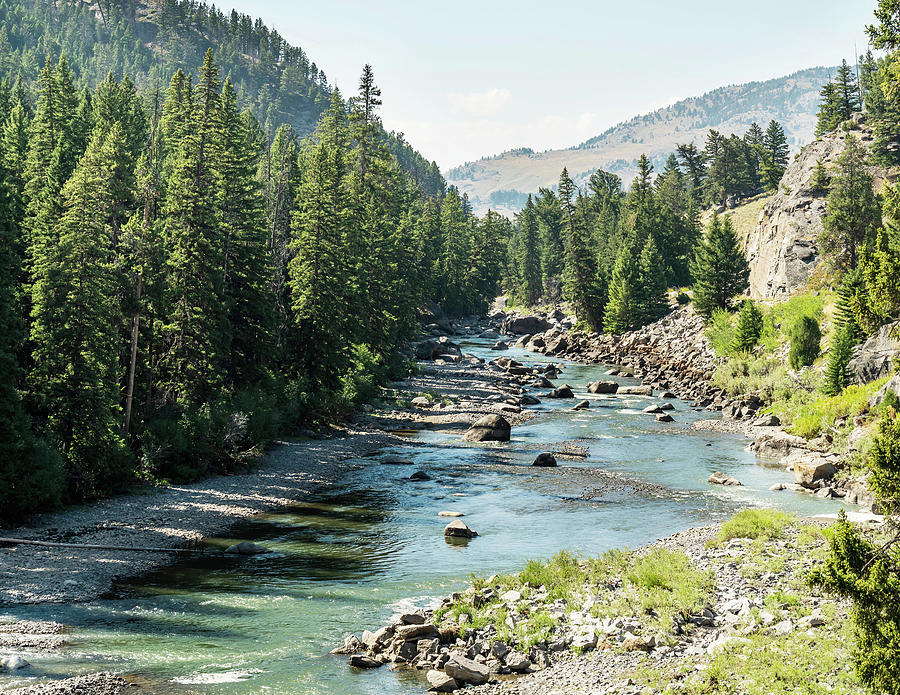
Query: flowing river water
{"type": "Point", "coordinates": [351, 556]}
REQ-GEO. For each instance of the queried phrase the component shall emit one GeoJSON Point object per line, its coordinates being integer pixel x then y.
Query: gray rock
{"type": "Point", "coordinates": [517, 661]}
{"type": "Point", "coordinates": [525, 324]}
{"type": "Point", "coordinates": [634, 391]}
{"type": "Point", "coordinates": [458, 529]}
{"type": "Point", "coordinates": [719, 478]}
{"type": "Point", "coordinates": [246, 548]}
{"type": "Point", "coordinates": [564, 391]}
{"type": "Point", "coordinates": [809, 470]}
{"type": "Point", "coordinates": [490, 428]}
{"type": "Point", "coordinates": [652, 409]}
{"type": "Point", "coordinates": [490, 334]}
{"type": "Point", "coordinates": [876, 357]}
{"type": "Point", "coordinates": [420, 475]}
{"type": "Point", "coordinates": [466, 670]}
{"type": "Point", "coordinates": [364, 661]}
{"type": "Point", "coordinates": [603, 387]}
{"type": "Point", "coordinates": [14, 663]}
{"type": "Point", "coordinates": [892, 386]}
{"type": "Point", "coordinates": [441, 682]}
{"type": "Point", "coordinates": [500, 345]}
{"type": "Point", "coordinates": [412, 619]}
{"type": "Point", "coordinates": [767, 421]}
{"type": "Point", "coordinates": [421, 402]}
{"type": "Point", "coordinates": [581, 405]}
{"type": "Point", "coordinates": [415, 632]}
{"type": "Point", "coordinates": [351, 645]}
{"type": "Point", "coordinates": [545, 460]}
{"type": "Point", "coordinates": [450, 514]}
{"type": "Point", "coordinates": [664, 417]}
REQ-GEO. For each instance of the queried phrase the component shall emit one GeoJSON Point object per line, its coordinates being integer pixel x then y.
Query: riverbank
{"type": "Point", "coordinates": [721, 608]}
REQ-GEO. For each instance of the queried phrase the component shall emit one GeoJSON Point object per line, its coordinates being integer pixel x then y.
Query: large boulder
{"type": "Point", "coordinates": [521, 325]}
{"type": "Point", "coordinates": [891, 387]}
{"type": "Point", "coordinates": [466, 670]}
{"type": "Point", "coordinates": [876, 357]}
{"type": "Point", "coordinates": [432, 349]}
{"type": "Point", "coordinates": [564, 391]}
{"type": "Point", "coordinates": [607, 386]}
{"type": "Point", "coordinates": [441, 682]}
{"type": "Point", "coordinates": [720, 478]}
{"type": "Point", "coordinates": [809, 470]}
{"type": "Point", "coordinates": [490, 428]}
{"type": "Point", "coordinates": [545, 460]}
{"type": "Point", "coordinates": [634, 391]}
{"type": "Point", "coordinates": [458, 529]}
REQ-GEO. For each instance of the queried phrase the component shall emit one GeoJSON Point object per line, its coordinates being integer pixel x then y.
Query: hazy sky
{"type": "Point", "coordinates": [471, 78]}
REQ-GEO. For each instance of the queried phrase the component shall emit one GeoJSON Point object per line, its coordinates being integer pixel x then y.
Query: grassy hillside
{"type": "Point", "coordinates": [499, 182]}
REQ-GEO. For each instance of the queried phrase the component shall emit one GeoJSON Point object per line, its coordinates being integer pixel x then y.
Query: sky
{"type": "Point", "coordinates": [471, 78]}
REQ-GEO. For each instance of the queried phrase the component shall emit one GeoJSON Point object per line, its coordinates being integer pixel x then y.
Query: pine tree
{"type": "Point", "coordinates": [319, 265]}
{"type": "Point", "coordinates": [651, 296]}
{"type": "Point", "coordinates": [76, 359]}
{"type": "Point", "coordinates": [749, 327]}
{"type": "Point", "coordinates": [531, 261]}
{"type": "Point", "coordinates": [623, 308]}
{"type": "Point", "coordinates": [836, 375]}
{"type": "Point", "coordinates": [820, 181]}
{"type": "Point", "coordinates": [549, 214]}
{"type": "Point", "coordinates": [579, 271]}
{"type": "Point", "coordinates": [846, 89]}
{"type": "Point", "coordinates": [828, 117]}
{"type": "Point", "coordinates": [720, 268]}
{"type": "Point", "coordinates": [194, 326]}
{"type": "Point", "coordinates": [852, 210]}
{"type": "Point", "coordinates": [775, 155]}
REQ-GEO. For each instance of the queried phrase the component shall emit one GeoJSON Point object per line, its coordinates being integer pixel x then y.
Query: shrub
{"type": "Point", "coordinates": [805, 337]}
{"type": "Point", "coordinates": [749, 327]}
{"type": "Point", "coordinates": [720, 332]}
{"type": "Point", "coordinates": [360, 383]}
{"type": "Point", "coordinates": [683, 298]}
{"type": "Point", "coordinates": [767, 377]}
{"type": "Point", "coordinates": [808, 415]}
{"type": "Point", "coordinates": [755, 523]}
{"type": "Point", "coordinates": [31, 479]}
{"type": "Point", "coordinates": [836, 375]}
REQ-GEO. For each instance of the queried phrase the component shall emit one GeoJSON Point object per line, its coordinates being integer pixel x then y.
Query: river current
{"type": "Point", "coordinates": [351, 556]}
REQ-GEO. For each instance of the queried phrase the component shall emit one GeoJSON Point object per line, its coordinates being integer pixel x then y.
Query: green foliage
{"type": "Point", "coordinates": [761, 375]}
{"type": "Point", "coordinates": [839, 355]}
{"type": "Point", "coordinates": [749, 327]}
{"type": "Point", "coordinates": [720, 331]}
{"type": "Point", "coordinates": [867, 571]}
{"type": "Point", "coordinates": [808, 414]}
{"type": "Point", "coordinates": [720, 268]}
{"type": "Point", "coordinates": [840, 100]}
{"type": "Point", "coordinates": [622, 309]}
{"type": "Point", "coordinates": [765, 524]}
{"type": "Point", "coordinates": [805, 336]}
{"type": "Point", "coordinates": [820, 182]}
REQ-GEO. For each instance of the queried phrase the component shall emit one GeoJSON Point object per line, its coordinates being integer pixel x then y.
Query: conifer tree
{"type": "Point", "coordinates": [76, 358]}
{"type": "Point", "coordinates": [623, 307]}
{"type": "Point", "coordinates": [531, 262]}
{"type": "Point", "coordinates": [550, 221]}
{"type": "Point", "coordinates": [195, 323]}
{"type": "Point", "coordinates": [775, 155]}
{"type": "Point", "coordinates": [720, 268]}
{"type": "Point", "coordinates": [579, 271]}
{"type": "Point", "coordinates": [749, 327]}
{"type": "Point", "coordinates": [820, 181]}
{"type": "Point", "coordinates": [836, 376]}
{"type": "Point", "coordinates": [852, 210]}
{"type": "Point", "coordinates": [652, 300]}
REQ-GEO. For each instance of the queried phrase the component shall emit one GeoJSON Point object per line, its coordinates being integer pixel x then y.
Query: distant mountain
{"type": "Point", "coordinates": [502, 182]}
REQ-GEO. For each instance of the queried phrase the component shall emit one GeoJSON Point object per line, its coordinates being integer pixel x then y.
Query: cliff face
{"type": "Point", "coordinates": [783, 249]}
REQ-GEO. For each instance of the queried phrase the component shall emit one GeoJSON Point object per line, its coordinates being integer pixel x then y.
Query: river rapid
{"type": "Point", "coordinates": [372, 545]}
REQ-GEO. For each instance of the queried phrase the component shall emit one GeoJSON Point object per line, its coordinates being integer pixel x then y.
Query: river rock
{"type": "Point", "coordinates": [652, 409]}
{"type": "Point", "coordinates": [434, 349]}
{"type": "Point", "coordinates": [500, 345]}
{"type": "Point", "coordinates": [545, 460]}
{"type": "Point", "coordinates": [808, 470]}
{"type": "Point", "coordinates": [634, 391]}
{"type": "Point", "coordinates": [450, 514]}
{"type": "Point", "coordinates": [458, 529]}
{"type": "Point", "coordinates": [603, 387]}
{"type": "Point", "coordinates": [441, 682]}
{"type": "Point", "coordinates": [415, 632]}
{"type": "Point", "coordinates": [719, 478]}
{"type": "Point", "coordinates": [542, 382]}
{"type": "Point", "coordinates": [466, 670]}
{"type": "Point", "coordinates": [490, 334]}
{"type": "Point", "coordinates": [246, 548]}
{"type": "Point", "coordinates": [525, 324]}
{"type": "Point", "coordinates": [14, 663]}
{"type": "Point", "coordinates": [529, 400]}
{"type": "Point", "coordinates": [876, 357]}
{"type": "Point", "coordinates": [364, 661]}
{"type": "Point", "coordinates": [666, 406]}
{"type": "Point", "coordinates": [517, 661]}
{"type": "Point", "coordinates": [421, 402]}
{"type": "Point", "coordinates": [664, 417]}
{"type": "Point", "coordinates": [667, 394]}
{"type": "Point", "coordinates": [420, 475]}
{"type": "Point", "coordinates": [581, 405]}
{"type": "Point", "coordinates": [412, 619]}
{"type": "Point", "coordinates": [351, 645]}
{"type": "Point", "coordinates": [564, 391]}
{"type": "Point", "coordinates": [490, 428]}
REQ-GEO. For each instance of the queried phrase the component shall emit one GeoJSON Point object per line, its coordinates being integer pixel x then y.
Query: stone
{"type": "Point", "coordinates": [246, 548]}
{"type": "Point", "coordinates": [490, 428]}
{"type": "Point", "coordinates": [490, 334]}
{"type": "Point", "coordinates": [364, 661]}
{"type": "Point", "coordinates": [581, 405]}
{"type": "Point", "coordinates": [602, 387]}
{"type": "Point", "coordinates": [499, 650]}
{"type": "Point", "coordinates": [529, 400]}
{"type": "Point", "coordinates": [777, 487]}
{"type": "Point", "coordinates": [667, 394]}
{"type": "Point", "coordinates": [415, 632]}
{"type": "Point", "coordinates": [785, 627]}
{"type": "Point", "coordinates": [545, 460]}
{"type": "Point", "coordinates": [636, 643]}
{"type": "Point", "coordinates": [421, 402]}
{"type": "Point", "coordinates": [564, 391]}
{"type": "Point", "coordinates": [666, 406]}
{"type": "Point", "coordinates": [584, 641]}
{"type": "Point", "coordinates": [664, 417]}
{"type": "Point", "coordinates": [511, 596]}
{"type": "Point", "coordinates": [458, 529]}
{"type": "Point", "coordinates": [450, 513]}
{"type": "Point", "coordinates": [652, 409]}
{"type": "Point", "coordinates": [412, 619]}
{"type": "Point", "coordinates": [542, 383]}
{"type": "Point", "coordinates": [500, 345]}
{"type": "Point", "coordinates": [420, 475]}
{"type": "Point", "coordinates": [812, 620]}
{"type": "Point", "coordinates": [434, 349]}
{"type": "Point", "coordinates": [767, 421]}
{"type": "Point", "coordinates": [525, 324]}
{"type": "Point", "coordinates": [719, 478]}
{"type": "Point", "coordinates": [466, 670]}
{"type": "Point", "coordinates": [14, 663]}
{"type": "Point", "coordinates": [811, 469]}
{"type": "Point", "coordinates": [634, 391]}
{"type": "Point", "coordinates": [892, 386]}
{"type": "Point", "coordinates": [441, 682]}
{"type": "Point", "coordinates": [877, 356]}
{"type": "Point", "coordinates": [351, 645]}
{"type": "Point", "coordinates": [516, 661]}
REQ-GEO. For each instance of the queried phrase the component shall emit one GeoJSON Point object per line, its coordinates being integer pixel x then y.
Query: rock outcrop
{"type": "Point", "coordinates": [783, 249]}
{"type": "Point", "coordinates": [877, 357]}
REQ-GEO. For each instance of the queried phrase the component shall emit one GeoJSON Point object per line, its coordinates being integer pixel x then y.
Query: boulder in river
{"type": "Point", "coordinates": [421, 402]}
{"type": "Point", "coordinates": [14, 663]}
{"type": "Point", "coordinates": [433, 349]}
{"type": "Point", "coordinates": [652, 409]}
{"type": "Point", "coordinates": [450, 513]}
{"type": "Point", "coordinates": [542, 382]}
{"type": "Point", "coordinates": [634, 391]}
{"type": "Point", "coordinates": [490, 428]}
{"type": "Point", "coordinates": [420, 475]}
{"type": "Point", "coordinates": [441, 682]}
{"type": "Point", "coordinates": [246, 548]}
{"type": "Point", "coordinates": [525, 324]}
{"type": "Point", "coordinates": [809, 470]}
{"type": "Point", "coordinates": [500, 345]}
{"type": "Point", "coordinates": [528, 400]}
{"type": "Point", "coordinates": [458, 529]}
{"type": "Point", "coordinates": [545, 460]}
{"type": "Point", "coordinates": [581, 405]}
{"type": "Point", "coordinates": [607, 386]}
{"type": "Point", "coordinates": [664, 417]}
{"type": "Point", "coordinates": [564, 391]}
{"type": "Point", "coordinates": [364, 661]}
{"type": "Point", "coordinates": [351, 645]}
{"type": "Point", "coordinates": [719, 478]}
{"type": "Point", "coordinates": [489, 333]}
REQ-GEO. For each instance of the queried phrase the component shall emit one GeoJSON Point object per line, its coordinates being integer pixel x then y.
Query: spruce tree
{"type": "Point", "coordinates": [720, 269]}
{"type": "Point", "coordinates": [76, 359]}
{"type": "Point", "coordinates": [775, 155]}
{"type": "Point", "coordinates": [820, 181]}
{"type": "Point", "coordinates": [623, 309]}
{"type": "Point", "coordinates": [531, 261]}
{"type": "Point", "coordinates": [652, 301]}
{"type": "Point", "coordinates": [194, 326]}
{"type": "Point", "coordinates": [852, 210]}
{"type": "Point", "coordinates": [579, 271]}
{"type": "Point", "coordinates": [836, 375]}
{"type": "Point", "coordinates": [749, 327]}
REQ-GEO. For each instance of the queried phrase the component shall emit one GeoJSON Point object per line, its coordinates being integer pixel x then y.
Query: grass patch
{"type": "Point", "coordinates": [755, 524]}
{"type": "Point", "coordinates": [768, 377]}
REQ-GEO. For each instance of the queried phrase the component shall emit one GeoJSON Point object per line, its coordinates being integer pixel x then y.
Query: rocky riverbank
{"type": "Point", "coordinates": [644, 622]}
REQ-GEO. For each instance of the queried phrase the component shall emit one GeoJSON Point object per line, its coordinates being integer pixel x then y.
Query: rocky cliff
{"type": "Point", "coordinates": [783, 249]}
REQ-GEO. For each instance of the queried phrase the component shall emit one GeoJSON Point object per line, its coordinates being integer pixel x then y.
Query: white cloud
{"type": "Point", "coordinates": [480, 104]}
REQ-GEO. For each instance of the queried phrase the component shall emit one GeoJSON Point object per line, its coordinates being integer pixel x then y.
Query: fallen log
{"type": "Point", "coordinates": [88, 546]}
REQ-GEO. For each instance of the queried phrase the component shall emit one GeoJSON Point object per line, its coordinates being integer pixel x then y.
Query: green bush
{"type": "Point", "coordinates": [755, 523]}
{"type": "Point", "coordinates": [683, 298]}
{"type": "Point", "coordinates": [782, 316]}
{"type": "Point", "coordinates": [767, 377]}
{"type": "Point", "coordinates": [367, 371]}
{"type": "Point", "coordinates": [32, 478]}
{"type": "Point", "coordinates": [836, 375]}
{"type": "Point", "coordinates": [805, 337]}
{"type": "Point", "coordinates": [808, 415]}
{"type": "Point", "coordinates": [749, 327]}
{"type": "Point", "coordinates": [720, 332]}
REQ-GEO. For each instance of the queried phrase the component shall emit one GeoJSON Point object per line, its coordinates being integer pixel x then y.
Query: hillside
{"type": "Point", "coordinates": [148, 40]}
{"type": "Point", "coordinates": [501, 182]}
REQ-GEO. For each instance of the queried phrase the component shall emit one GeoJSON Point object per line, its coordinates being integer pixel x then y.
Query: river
{"type": "Point", "coordinates": [373, 544]}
